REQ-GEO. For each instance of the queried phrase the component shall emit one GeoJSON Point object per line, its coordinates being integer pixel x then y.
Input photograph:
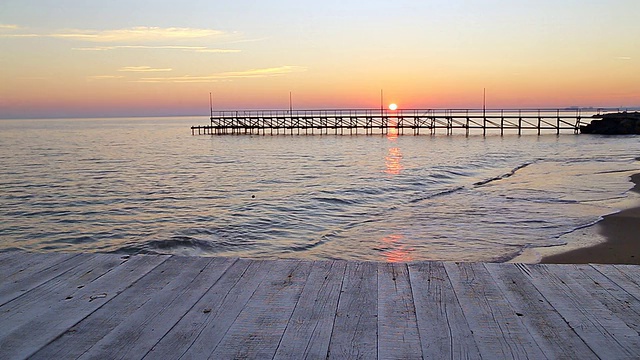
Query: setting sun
{"type": "Point", "coordinates": [393, 107]}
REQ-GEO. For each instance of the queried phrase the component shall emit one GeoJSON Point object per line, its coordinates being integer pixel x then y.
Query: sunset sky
{"type": "Point", "coordinates": [68, 58]}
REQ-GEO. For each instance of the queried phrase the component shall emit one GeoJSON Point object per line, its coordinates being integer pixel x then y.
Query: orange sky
{"type": "Point", "coordinates": [124, 58]}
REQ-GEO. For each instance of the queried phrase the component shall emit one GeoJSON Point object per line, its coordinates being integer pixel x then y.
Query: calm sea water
{"type": "Point", "coordinates": [145, 185]}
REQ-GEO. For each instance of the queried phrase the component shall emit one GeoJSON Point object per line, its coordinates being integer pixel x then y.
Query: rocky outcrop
{"type": "Point", "coordinates": [622, 123]}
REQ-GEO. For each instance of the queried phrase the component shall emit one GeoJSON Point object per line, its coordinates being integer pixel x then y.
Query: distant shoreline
{"type": "Point", "coordinates": [622, 231]}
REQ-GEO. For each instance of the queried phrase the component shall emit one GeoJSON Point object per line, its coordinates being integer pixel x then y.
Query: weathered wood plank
{"type": "Point", "coordinates": [24, 264]}
{"type": "Point", "coordinates": [68, 311]}
{"type": "Point", "coordinates": [620, 278]}
{"type": "Point", "coordinates": [261, 324]}
{"type": "Point", "coordinates": [70, 279]}
{"type": "Point", "coordinates": [444, 331]}
{"type": "Point", "coordinates": [157, 300]}
{"type": "Point", "coordinates": [4, 255]}
{"type": "Point", "coordinates": [631, 271]}
{"type": "Point", "coordinates": [108, 306]}
{"type": "Point", "coordinates": [556, 339]}
{"type": "Point", "coordinates": [11, 260]}
{"type": "Point", "coordinates": [499, 332]}
{"type": "Point", "coordinates": [355, 327]}
{"type": "Point", "coordinates": [308, 333]}
{"type": "Point", "coordinates": [144, 328]}
{"type": "Point", "coordinates": [203, 326]}
{"type": "Point", "coordinates": [34, 271]}
{"type": "Point", "coordinates": [607, 335]}
{"type": "Point", "coordinates": [398, 336]}
{"type": "Point", "coordinates": [611, 295]}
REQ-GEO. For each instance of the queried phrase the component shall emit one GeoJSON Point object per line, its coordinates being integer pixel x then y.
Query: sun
{"type": "Point", "coordinates": [393, 107]}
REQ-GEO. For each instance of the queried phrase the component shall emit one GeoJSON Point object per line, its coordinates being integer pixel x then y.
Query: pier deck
{"type": "Point", "coordinates": [63, 306]}
{"type": "Point", "coordinates": [398, 122]}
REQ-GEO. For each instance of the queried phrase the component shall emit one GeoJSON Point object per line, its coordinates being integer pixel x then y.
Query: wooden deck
{"type": "Point", "coordinates": [65, 306]}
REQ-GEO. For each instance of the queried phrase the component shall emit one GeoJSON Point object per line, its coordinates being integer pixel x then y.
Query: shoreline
{"type": "Point", "coordinates": [622, 233]}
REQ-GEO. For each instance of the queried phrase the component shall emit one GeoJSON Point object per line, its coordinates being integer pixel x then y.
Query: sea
{"type": "Point", "coordinates": [148, 186]}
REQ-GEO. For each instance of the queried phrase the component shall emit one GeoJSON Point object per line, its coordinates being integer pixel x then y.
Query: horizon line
{"type": "Point", "coordinates": [286, 110]}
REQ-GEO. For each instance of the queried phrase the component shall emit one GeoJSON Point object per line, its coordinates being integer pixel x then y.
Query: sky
{"type": "Point", "coordinates": [72, 58]}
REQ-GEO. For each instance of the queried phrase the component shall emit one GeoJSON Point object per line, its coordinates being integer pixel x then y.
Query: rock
{"type": "Point", "coordinates": [622, 123]}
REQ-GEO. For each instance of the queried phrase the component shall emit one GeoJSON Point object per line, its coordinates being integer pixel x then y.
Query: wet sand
{"type": "Point", "coordinates": [622, 231]}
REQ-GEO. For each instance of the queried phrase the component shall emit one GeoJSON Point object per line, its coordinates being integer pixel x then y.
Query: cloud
{"type": "Point", "coordinates": [203, 49]}
{"type": "Point", "coordinates": [623, 58]}
{"type": "Point", "coordinates": [104, 77]}
{"type": "Point", "coordinates": [134, 34]}
{"type": "Point", "coordinates": [218, 51]}
{"type": "Point", "coordinates": [19, 35]}
{"type": "Point", "coordinates": [252, 73]}
{"type": "Point", "coordinates": [142, 69]}
{"type": "Point", "coordinates": [140, 33]}
{"type": "Point", "coordinates": [9, 27]}
{"type": "Point", "coordinates": [10, 31]}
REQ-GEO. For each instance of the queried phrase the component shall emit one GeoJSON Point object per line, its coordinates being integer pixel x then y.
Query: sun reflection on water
{"type": "Point", "coordinates": [392, 161]}
{"type": "Point", "coordinates": [394, 155]}
{"type": "Point", "coordinates": [395, 249]}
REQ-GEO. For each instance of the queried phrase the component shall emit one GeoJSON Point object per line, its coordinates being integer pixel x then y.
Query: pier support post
{"type": "Point", "coordinates": [539, 122]}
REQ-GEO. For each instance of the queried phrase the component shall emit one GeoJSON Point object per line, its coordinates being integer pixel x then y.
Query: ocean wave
{"type": "Point", "coordinates": [543, 200]}
{"type": "Point", "coordinates": [307, 247]}
{"type": "Point", "coordinates": [503, 176]}
{"type": "Point", "coordinates": [437, 194]}
{"type": "Point", "coordinates": [334, 201]}
{"type": "Point", "coordinates": [180, 244]}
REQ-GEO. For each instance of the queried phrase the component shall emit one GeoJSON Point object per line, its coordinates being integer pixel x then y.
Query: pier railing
{"type": "Point", "coordinates": [401, 121]}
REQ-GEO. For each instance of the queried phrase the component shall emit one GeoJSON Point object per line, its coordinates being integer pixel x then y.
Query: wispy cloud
{"type": "Point", "coordinates": [15, 31]}
{"type": "Point", "coordinates": [19, 35]}
{"type": "Point", "coordinates": [623, 58]}
{"type": "Point", "coordinates": [252, 73]}
{"type": "Point", "coordinates": [104, 77]}
{"type": "Point", "coordinates": [218, 51]}
{"type": "Point", "coordinates": [142, 69]}
{"type": "Point", "coordinates": [9, 27]}
{"type": "Point", "coordinates": [161, 47]}
{"type": "Point", "coordinates": [140, 33]}
{"type": "Point", "coordinates": [134, 34]}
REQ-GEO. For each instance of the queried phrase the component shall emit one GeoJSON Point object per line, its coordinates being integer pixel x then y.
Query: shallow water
{"type": "Point", "coordinates": [146, 185]}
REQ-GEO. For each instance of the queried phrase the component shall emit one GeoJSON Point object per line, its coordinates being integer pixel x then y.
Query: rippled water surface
{"type": "Point", "coordinates": [149, 186]}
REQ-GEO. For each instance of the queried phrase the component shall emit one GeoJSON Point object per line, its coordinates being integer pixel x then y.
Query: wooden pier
{"type": "Point", "coordinates": [398, 122]}
{"type": "Point", "coordinates": [108, 306]}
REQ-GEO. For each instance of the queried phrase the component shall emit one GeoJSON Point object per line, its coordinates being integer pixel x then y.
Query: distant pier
{"type": "Point", "coordinates": [399, 122]}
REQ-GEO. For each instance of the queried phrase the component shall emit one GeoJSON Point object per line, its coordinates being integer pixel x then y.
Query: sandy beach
{"type": "Point", "coordinates": [622, 231]}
